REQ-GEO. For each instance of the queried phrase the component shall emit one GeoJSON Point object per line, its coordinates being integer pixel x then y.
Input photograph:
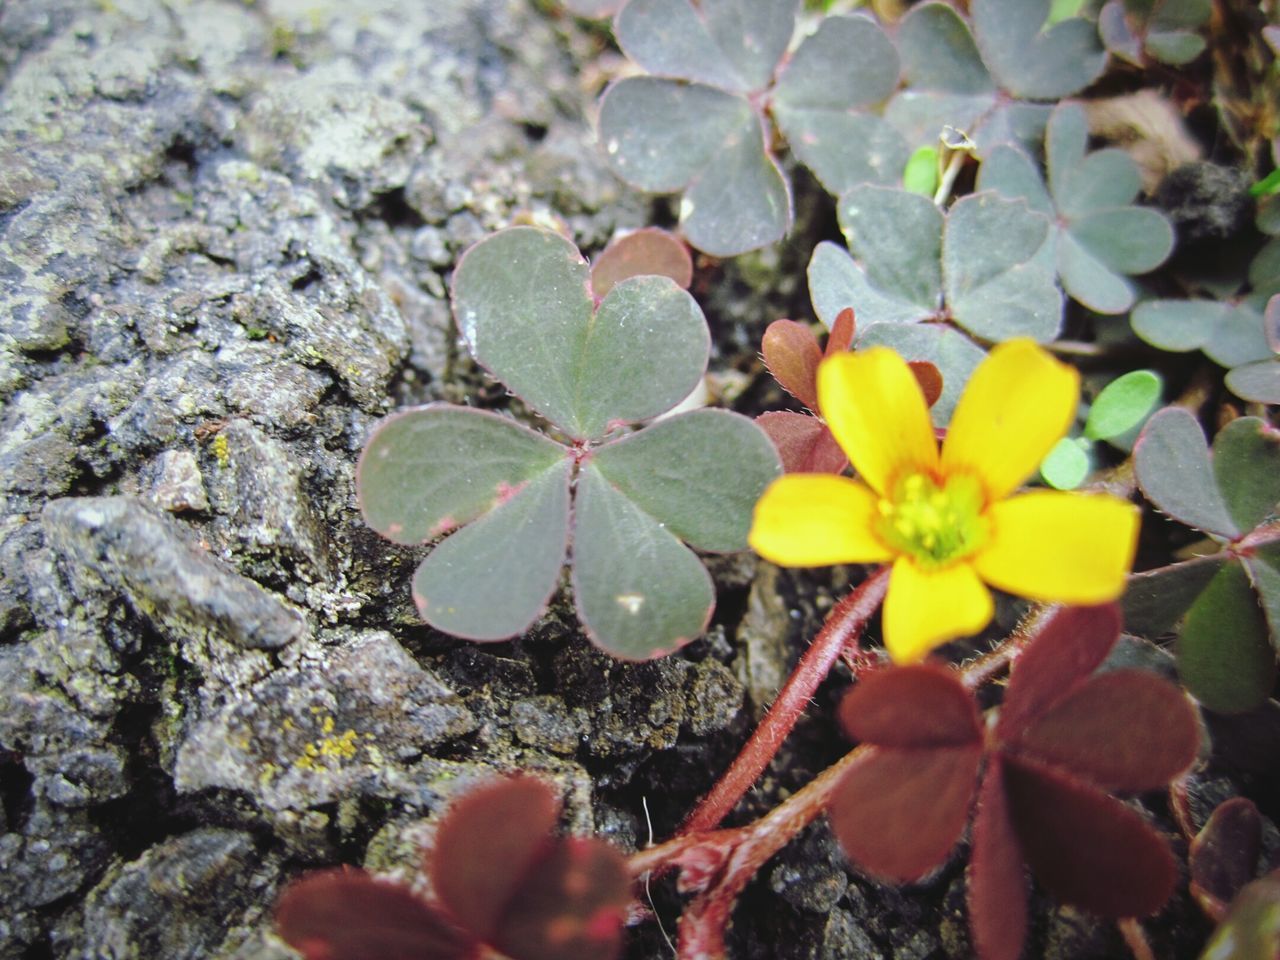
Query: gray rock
{"type": "Point", "coordinates": [340, 720]}
{"type": "Point", "coordinates": [118, 544]}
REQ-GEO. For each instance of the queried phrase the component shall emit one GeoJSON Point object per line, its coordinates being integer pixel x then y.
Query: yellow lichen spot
{"type": "Point", "coordinates": [221, 450]}
{"type": "Point", "coordinates": [326, 725]}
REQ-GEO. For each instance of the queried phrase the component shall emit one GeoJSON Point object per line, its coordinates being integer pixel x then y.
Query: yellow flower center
{"type": "Point", "coordinates": [935, 525]}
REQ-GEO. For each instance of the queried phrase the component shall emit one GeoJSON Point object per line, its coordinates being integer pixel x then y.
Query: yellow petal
{"type": "Point", "coordinates": [1061, 547]}
{"type": "Point", "coordinates": [926, 608]}
{"type": "Point", "coordinates": [1017, 405]}
{"type": "Point", "coordinates": [816, 519]}
{"type": "Point", "coordinates": [874, 406]}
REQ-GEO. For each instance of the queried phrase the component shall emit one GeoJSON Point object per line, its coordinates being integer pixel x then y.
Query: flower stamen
{"type": "Point", "coordinates": [936, 525]}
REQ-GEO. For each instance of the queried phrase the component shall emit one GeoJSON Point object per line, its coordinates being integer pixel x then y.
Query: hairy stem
{"type": "Point", "coordinates": [838, 634]}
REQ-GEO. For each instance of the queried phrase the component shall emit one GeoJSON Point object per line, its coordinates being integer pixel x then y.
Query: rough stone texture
{"type": "Point", "coordinates": [226, 232]}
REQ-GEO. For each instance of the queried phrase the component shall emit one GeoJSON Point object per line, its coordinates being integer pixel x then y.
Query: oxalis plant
{"type": "Point", "coordinates": [629, 500]}
{"type": "Point", "coordinates": [941, 519]}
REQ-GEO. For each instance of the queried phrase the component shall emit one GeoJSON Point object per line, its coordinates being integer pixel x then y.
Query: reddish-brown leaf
{"type": "Point", "coordinates": [791, 352]}
{"type": "Point", "coordinates": [930, 379]}
{"type": "Point", "coordinates": [1224, 855]}
{"type": "Point", "coordinates": [348, 915]}
{"type": "Point", "coordinates": [1122, 730]}
{"type": "Point", "coordinates": [997, 887]}
{"type": "Point", "coordinates": [804, 443]}
{"type": "Point", "coordinates": [842, 332]}
{"type": "Point", "coordinates": [646, 252]}
{"type": "Point", "coordinates": [487, 842]}
{"type": "Point", "coordinates": [571, 905]}
{"type": "Point", "coordinates": [1067, 649]}
{"type": "Point", "coordinates": [924, 705]}
{"type": "Point", "coordinates": [898, 813]}
{"type": "Point", "coordinates": [1086, 848]}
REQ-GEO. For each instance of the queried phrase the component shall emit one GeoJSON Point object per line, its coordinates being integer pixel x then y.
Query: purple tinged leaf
{"type": "Point", "coordinates": [997, 881]}
{"type": "Point", "coordinates": [1224, 657]}
{"type": "Point", "coordinates": [487, 844]}
{"type": "Point", "coordinates": [570, 905]}
{"type": "Point", "coordinates": [804, 443]}
{"type": "Point", "coordinates": [843, 329]}
{"type": "Point", "coordinates": [1271, 320]}
{"type": "Point", "coordinates": [1086, 848]}
{"type": "Point", "coordinates": [1068, 648]}
{"type": "Point", "coordinates": [1246, 465]}
{"type": "Point", "coordinates": [900, 812]}
{"type": "Point", "coordinates": [1224, 855]}
{"type": "Point", "coordinates": [1171, 460]}
{"type": "Point", "coordinates": [1126, 730]}
{"type": "Point", "coordinates": [912, 707]}
{"type": "Point", "coordinates": [646, 252]}
{"type": "Point", "coordinates": [791, 354]}
{"type": "Point", "coordinates": [929, 378]}
{"type": "Point", "coordinates": [348, 915]}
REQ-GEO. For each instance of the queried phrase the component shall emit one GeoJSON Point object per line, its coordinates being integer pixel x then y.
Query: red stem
{"type": "Point", "coordinates": [840, 632]}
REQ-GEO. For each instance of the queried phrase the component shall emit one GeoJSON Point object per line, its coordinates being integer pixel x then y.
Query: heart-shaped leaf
{"type": "Point", "coordinates": [676, 472]}
{"type": "Point", "coordinates": [523, 303]}
{"type": "Point", "coordinates": [899, 813]}
{"type": "Point", "coordinates": [647, 252]}
{"type": "Point", "coordinates": [570, 905]}
{"type": "Point", "coordinates": [492, 579]}
{"type": "Point", "coordinates": [1067, 648]}
{"type": "Point", "coordinates": [1102, 730]}
{"type": "Point", "coordinates": [896, 236]}
{"type": "Point", "coordinates": [791, 353]}
{"type": "Point", "coordinates": [485, 845]}
{"type": "Point", "coordinates": [1224, 657]}
{"type": "Point", "coordinates": [1155, 600]}
{"type": "Point", "coordinates": [995, 285]}
{"type": "Point", "coordinates": [428, 470]}
{"type": "Point", "coordinates": [1033, 62]}
{"type": "Point", "coordinates": [639, 591]}
{"type": "Point", "coordinates": [911, 707]}
{"type": "Point", "coordinates": [1086, 848]}
{"type": "Point", "coordinates": [1164, 30]}
{"type": "Point", "coordinates": [665, 136]}
{"type": "Point", "coordinates": [845, 67]}
{"type": "Point", "coordinates": [1246, 466]}
{"type": "Point", "coordinates": [1171, 460]}
{"type": "Point", "coordinates": [1178, 325]}
{"type": "Point", "coordinates": [348, 914]}
{"type": "Point", "coordinates": [835, 281]}
{"type": "Point", "coordinates": [730, 44]}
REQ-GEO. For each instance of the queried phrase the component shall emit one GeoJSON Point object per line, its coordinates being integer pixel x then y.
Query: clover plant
{"type": "Point", "coordinates": [1241, 332]}
{"type": "Point", "coordinates": [590, 366]}
{"type": "Point", "coordinates": [1163, 30]}
{"type": "Point", "coordinates": [1065, 737]}
{"type": "Point", "coordinates": [1119, 408]}
{"type": "Point", "coordinates": [1224, 855]}
{"type": "Point", "coordinates": [502, 882]}
{"type": "Point", "coordinates": [1097, 237]}
{"type": "Point", "coordinates": [720, 91]}
{"type": "Point", "coordinates": [1226, 603]}
{"type": "Point", "coordinates": [978, 264]}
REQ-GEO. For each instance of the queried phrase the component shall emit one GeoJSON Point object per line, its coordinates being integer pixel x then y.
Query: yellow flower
{"type": "Point", "coordinates": [947, 520]}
